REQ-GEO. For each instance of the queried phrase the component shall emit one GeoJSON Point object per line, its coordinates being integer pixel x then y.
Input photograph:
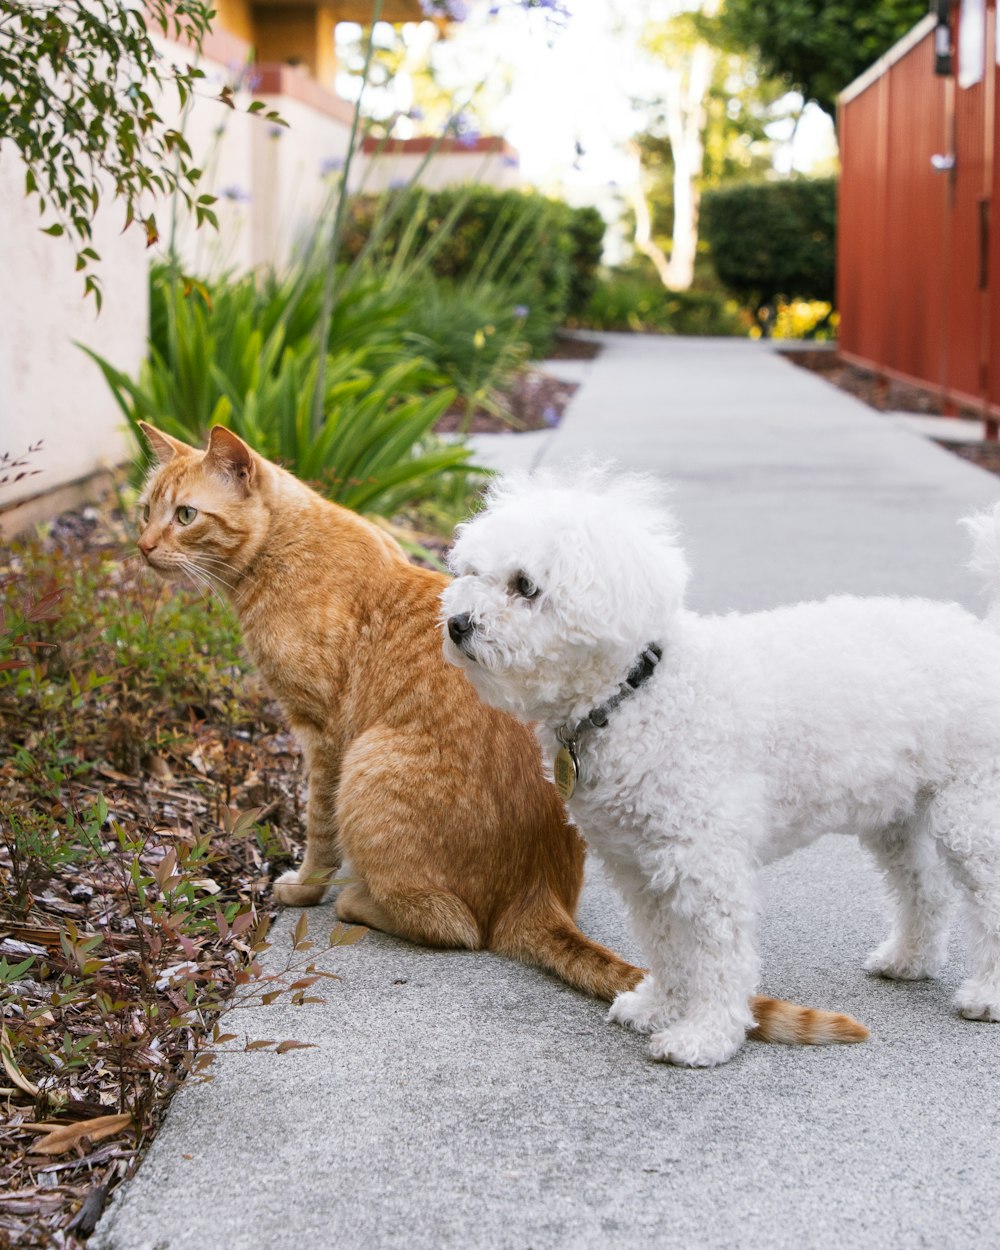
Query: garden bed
{"type": "Point", "coordinates": [148, 794]}
{"type": "Point", "coordinates": [887, 395]}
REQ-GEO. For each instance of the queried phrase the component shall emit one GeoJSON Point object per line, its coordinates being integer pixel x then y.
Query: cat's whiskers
{"type": "Point", "coordinates": [224, 564]}
{"type": "Point", "coordinates": [200, 564]}
{"type": "Point", "coordinates": [200, 577]}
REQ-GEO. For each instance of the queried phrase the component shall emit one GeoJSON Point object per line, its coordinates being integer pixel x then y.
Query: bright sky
{"type": "Point", "coordinates": [551, 85]}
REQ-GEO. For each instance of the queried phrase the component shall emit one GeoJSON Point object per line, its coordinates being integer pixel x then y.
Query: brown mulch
{"type": "Point", "coordinates": [533, 402]}
{"type": "Point", "coordinates": [887, 395]}
{"type": "Point", "coordinates": [567, 347]}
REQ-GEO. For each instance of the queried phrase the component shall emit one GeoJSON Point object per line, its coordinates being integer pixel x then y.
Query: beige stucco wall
{"type": "Point", "coordinates": [294, 177]}
{"type": "Point", "coordinates": [445, 169]}
{"type": "Point", "coordinates": [50, 390]}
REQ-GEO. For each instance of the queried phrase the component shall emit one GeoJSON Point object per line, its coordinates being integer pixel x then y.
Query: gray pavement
{"type": "Point", "coordinates": [458, 1101]}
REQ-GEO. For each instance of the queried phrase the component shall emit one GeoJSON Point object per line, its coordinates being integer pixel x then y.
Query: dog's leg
{"type": "Point", "coordinates": [917, 945]}
{"type": "Point", "coordinates": [699, 936]}
{"type": "Point", "coordinates": [966, 817]}
{"type": "Point", "coordinates": [658, 999]}
{"type": "Point", "coordinates": [306, 886]}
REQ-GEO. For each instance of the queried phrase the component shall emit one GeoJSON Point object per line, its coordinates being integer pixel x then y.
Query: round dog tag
{"type": "Point", "coordinates": [564, 772]}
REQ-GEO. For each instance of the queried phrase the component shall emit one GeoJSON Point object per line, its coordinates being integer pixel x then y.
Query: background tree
{"type": "Point", "coordinates": [81, 89]}
{"type": "Point", "coordinates": [817, 47]}
{"type": "Point", "coordinates": [708, 125]}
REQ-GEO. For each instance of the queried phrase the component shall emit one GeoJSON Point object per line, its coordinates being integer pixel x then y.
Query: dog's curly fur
{"type": "Point", "coordinates": [755, 735]}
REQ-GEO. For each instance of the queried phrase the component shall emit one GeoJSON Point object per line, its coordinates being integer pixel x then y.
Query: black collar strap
{"type": "Point", "coordinates": [597, 717]}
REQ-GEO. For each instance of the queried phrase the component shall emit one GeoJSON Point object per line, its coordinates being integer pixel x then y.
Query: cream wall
{"type": "Point", "coordinates": [445, 169]}
{"type": "Point", "coordinates": [294, 176]}
{"type": "Point", "coordinates": [50, 390]}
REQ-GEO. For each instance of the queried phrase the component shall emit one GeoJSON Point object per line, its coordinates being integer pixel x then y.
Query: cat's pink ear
{"type": "Point", "coordinates": [230, 455]}
{"type": "Point", "coordinates": [164, 446]}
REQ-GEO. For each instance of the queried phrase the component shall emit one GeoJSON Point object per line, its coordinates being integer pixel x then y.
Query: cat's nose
{"type": "Point", "coordinates": [146, 545]}
{"type": "Point", "coordinates": [459, 626]}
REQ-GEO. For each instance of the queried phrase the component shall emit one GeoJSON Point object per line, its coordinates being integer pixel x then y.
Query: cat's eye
{"type": "Point", "coordinates": [185, 514]}
{"type": "Point", "coordinates": [525, 587]}
{"type": "Point", "coordinates": [145, 514]}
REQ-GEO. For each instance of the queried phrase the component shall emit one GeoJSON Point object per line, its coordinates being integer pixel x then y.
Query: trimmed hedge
{"type": "Point", "coordinates": [543, 249]}
{"type": "Point", "coordinates": [773, 239]}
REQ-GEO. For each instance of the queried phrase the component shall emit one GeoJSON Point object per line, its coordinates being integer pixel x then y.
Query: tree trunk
{"type": "Point", "coordinates": [685, 128]}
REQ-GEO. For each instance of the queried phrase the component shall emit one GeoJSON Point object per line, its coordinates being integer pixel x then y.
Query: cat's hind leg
{"type": "Point", "coordinates": [392, 829]}
{"type": "Point", "coordinates": [428, 917]}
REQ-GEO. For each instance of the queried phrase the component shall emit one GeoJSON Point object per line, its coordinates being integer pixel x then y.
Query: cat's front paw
{"type": "Point", "coordinates": [696, 1045]}
{"type": "Point", "coordinates": [290, 891]}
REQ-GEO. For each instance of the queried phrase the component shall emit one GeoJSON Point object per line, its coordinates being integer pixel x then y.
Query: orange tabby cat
{"type": "Point", "coordinates": [438, 802]}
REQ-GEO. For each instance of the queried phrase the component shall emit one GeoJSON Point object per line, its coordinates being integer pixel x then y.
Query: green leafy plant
{"type": "Point", "coordinates": [774, 239]}
{"type": "Point", "coordinates": [631, 299]}
{"type": "Point", "coordinates": [224, 356]}
{"type": "Point", "coordinates": [542, 251]}
{"type": "Point", "coordinates": [472, 332]}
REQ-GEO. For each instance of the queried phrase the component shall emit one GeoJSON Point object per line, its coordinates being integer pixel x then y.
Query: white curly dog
{"type": "Point", "coordinates": [696, 748]}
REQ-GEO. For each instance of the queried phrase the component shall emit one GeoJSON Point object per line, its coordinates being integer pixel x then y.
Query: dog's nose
{"type": "Point", "coordinates": [459, 626]}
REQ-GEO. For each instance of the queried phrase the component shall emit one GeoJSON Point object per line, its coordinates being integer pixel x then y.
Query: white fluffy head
{"type": "Point", "coordinates": [562, 582]}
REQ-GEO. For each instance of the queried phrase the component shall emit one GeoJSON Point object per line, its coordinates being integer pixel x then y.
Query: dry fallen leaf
{"type": "Point", "coordinates": [10, 1066]}
{"type": "Point", "coordinates": [65, 1138]}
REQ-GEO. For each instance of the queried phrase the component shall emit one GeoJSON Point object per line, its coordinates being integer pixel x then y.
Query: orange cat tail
{"type": "Point", "coordinates": [794, 1025]}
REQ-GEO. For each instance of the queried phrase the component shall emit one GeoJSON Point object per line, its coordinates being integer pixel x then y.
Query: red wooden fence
{"type": "Point", "coordinates": [918, 282]}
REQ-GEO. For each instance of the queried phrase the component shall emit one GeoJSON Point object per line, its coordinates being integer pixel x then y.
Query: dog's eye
{"type": "Point", "coordinates": [525, 587]}
{"type": "Point", "coordinates": [185, 514]}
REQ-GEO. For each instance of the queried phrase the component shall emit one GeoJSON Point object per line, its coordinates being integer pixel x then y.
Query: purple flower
{"type": "Point", "coordinates": [236, 195]}
{"type": "Point", "coordinates": [453, 10]}
{"type": "Point", "coordinates": [397, 184]}
{"type": "Point", "coordinates": [510, 161]}
{"type": "Point", "coordinates": [416, 114]}
{"type": "Point", "coordinates": [550, 415]}
{"type": "Point", "coordinates": [330, 165]}
{"type": "Point", "coordinates": [467, 138]}
{"type": "Point", "coordinates": [275, 132]}
{"type": "Point", "coordinates": [521, 310]}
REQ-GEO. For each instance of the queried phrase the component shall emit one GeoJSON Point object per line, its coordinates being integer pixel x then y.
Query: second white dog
{"type": "Point", "coordinates": [694, 748]}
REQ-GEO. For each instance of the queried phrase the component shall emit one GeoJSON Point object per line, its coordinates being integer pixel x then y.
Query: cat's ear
{"type": "Point", "coordinates": [230, 456]}
{"type": "Point", "coordinates": [164, 446]}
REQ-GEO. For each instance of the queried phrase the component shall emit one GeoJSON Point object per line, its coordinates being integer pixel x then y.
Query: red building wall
{"type": "Point", "coordinates": [918, 283]}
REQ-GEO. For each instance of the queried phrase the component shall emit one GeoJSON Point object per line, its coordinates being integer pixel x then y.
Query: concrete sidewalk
{"type": "Point", "coordinates": [458, 1101]}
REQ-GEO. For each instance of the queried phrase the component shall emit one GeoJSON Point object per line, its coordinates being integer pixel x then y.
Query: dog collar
{"type": "Point", "coordinates": [567, 770]}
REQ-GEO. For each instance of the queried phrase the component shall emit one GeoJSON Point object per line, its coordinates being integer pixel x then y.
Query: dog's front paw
{"type": "Point", "coordinates": [978, 1000]}
{"type": "Point", "coordinates": [901, 963]}
{"type": "Point", "coordinates": [290, 891]}
{"type": "Point", "coordinates": [691, 1045]}
{"type": "Point", "coordinates": [644, 1009]}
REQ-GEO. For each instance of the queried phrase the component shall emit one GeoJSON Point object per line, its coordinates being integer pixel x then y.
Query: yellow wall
{"type": "Point", "coordinates": [235, 17]}
{"type": "Point", "coordinates": [297, 33]}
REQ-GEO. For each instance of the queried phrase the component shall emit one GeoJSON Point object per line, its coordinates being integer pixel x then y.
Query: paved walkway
{"type": "Point", "coordinates": [458, 1102]}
